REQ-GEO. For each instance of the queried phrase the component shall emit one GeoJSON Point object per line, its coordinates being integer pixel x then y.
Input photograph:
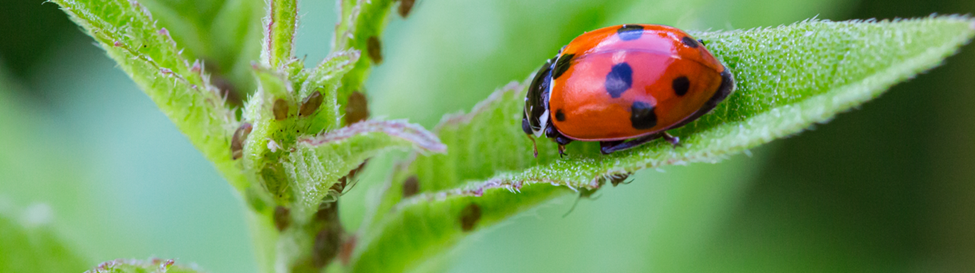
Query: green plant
{"type": "Point", "coordinates": [789, 78]}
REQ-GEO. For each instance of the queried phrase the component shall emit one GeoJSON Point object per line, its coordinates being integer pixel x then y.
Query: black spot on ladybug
{"type": "Point", "coordinates": [562, 65]}
{"type": "Point", "coordinates": [280, 109]}
{"type": "Point", "coordinates": [559, 115]}
{"type": "Point", "coordinates": [689, 42]}
{"type": "Point", "coordinates": [282, 218]}
{"type": "Point", "coordinates": [681, 85]}
{"type": "Point", "coordinates": [642, 115]}
{"type": "Point", "coordinates": [310, 104]}
{"type": "Point", "coordinates": [469, 217]}
{"type": "Point", "coordinates": [619, 79]}
{"type": "Point", "coordinates": [374, 49]}
{"type": "Point", "coordinates": [630, 32]}
{"type": "Point", "coordinates": [411, 186]}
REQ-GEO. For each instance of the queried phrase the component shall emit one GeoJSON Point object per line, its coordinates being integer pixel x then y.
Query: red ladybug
{"type": "Point", "coordinates": [628, 82]}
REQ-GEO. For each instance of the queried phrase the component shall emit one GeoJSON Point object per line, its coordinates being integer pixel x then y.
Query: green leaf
{"type": "Point", "coordinates": [302, 176]}
{"type": "Point", "coordinates": [361, 20]}
{"type": "Point", "coordinates": [326, 79]}
{"type": "Point", "coordinates": [140, 266]}
{"type": "Point", "coordinates": [788, 78]}
{"type": "Point", "coordinates": [282, 22]}
{"type": "Point", "coordinates": [321, 160]}
{"type": "Point", "coordinates": [149, 55]}
{"type": "Point", "coordinates": [224, 34]}
{"type": "Point", "coordinates": [29, 244]}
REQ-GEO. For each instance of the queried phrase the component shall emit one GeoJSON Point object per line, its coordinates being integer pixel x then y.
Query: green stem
{"type": "Point", "coordinates": [282, 20]}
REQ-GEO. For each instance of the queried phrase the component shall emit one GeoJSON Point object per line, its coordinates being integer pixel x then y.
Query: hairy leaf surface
{"type": "Point", "coordinates": [788, 78]}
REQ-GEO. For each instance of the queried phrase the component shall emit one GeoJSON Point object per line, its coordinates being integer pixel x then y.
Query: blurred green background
{"type": "Point", "coordinates": [889, 187]}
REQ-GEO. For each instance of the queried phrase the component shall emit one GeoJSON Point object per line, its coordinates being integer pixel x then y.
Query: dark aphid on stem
{"type": "Point", "coordinates": [469, 217]}
{"type": "Point", "coordinates": [345, 251]}
{"type": "Point", "coordinates": [357, 109]}
{"type": "Point", "coordinates": [405, 6]}
{"type": "Point", "coordinates": [325, 247]}
{"type": "Point", "coordinates": [237, 142]}
{"type": "Point", "coordinates": [374, 49]}
{"type": "Point", "coordinates": [282, 218]}
{"type": "Point", "coordinates": [328, 240]}
{"type": "Point", "coordinates": [411, 186]}
{"type": "Point", "coordinates": [280, 109]}
{"type": "Point", "coordinates": [310, 104]}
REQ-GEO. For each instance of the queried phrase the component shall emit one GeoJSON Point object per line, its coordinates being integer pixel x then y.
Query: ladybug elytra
{"type": "Point", "coordinates": [624, 86]}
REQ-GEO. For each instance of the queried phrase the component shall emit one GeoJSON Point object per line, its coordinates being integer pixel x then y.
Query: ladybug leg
{"type": "Point", "coordinates": [608, 147]}
{"type": "Point", "coordinates": [672, 139]}
{"type": "Point", "coordinates": [562, 141]}
{"type": "Point", "coordinates": [554, 134]}
{"type": "Point", "coordinates": [534, 145]}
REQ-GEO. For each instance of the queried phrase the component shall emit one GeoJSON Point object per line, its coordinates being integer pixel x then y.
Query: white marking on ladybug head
{"type": "Point", "coordinates": [543, 121]}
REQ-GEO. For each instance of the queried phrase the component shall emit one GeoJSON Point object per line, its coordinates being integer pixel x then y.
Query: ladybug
{"type": "Point", "coordinates": [624, 86]}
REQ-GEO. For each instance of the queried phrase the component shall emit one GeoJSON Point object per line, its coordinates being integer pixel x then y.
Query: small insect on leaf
{"type": "Point", "coordinates": [282, 218]}
{"type": "Point", "coordinates": [326, 247]}
{"type": "Point", "coordinates": [411, 186]}
{"type": "Point", "coordinates": [345, 252]}
{"type": "Point", "coordinates": [237, 142]}
{"type": "Point", "coordinates": [280, 109]}
{"type": "Point", "coordinates": [310, 104]}
{"type": "Point", "coordinates": [374, 48]}
{"type": "Point", "coordinates": [357, 109]}
{"type": "Point", "coordinates": [469, 217]}
{"type": "Point", "coordinates": [405, 6]}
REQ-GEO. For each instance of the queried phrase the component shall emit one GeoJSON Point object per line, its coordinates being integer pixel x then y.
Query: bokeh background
{"type": "Point", "coordinates": [889, 187]}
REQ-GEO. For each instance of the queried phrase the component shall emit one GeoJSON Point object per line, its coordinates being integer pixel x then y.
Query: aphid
{"type": "Point", "coordinates": [411, 186]}
{"type": "Point", "coordinates": [469, 217]}
{"type": "Point", "coordinates": [280, 109]}
{"type": "Point", "coordinates": [374, 49]}
{"type": "Point", "coordinates": [624, 86]}
{"type": "Point", "coordinates": [282, 218]}
{"type": "Point", "coordinates": [357, 109]}
{"type": "Point", "coordinates": [325, 247]}
{"type": "Point", "coordinates": [405, 6]}
{"type": "Point", "coordinates": [310, 104]}
{"type": "Point", "coordinates": [345, 251]}
{"type": "Point", "coordinates": [237, 141]}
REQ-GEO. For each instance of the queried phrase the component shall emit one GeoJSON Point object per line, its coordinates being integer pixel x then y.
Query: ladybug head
{"type": "Point", "coordinates": [535, 117]}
